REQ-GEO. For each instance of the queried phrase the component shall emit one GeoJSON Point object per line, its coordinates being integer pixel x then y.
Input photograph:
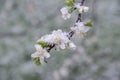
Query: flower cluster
{"type": "Point", "coordinates": [80, 8]}
{"type": "Point", "coordinates": [70, 7]}
{"type": "Point", "coordinates": [80, 28]}
{"type": "Point", "coordinates": [59, 39]}
{"type": "Point", "coordinates": [40, 54]}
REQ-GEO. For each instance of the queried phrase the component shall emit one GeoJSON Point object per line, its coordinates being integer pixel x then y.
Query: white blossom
{"type": "Point", "coordinates": [80, 8]}
{"type": "Point", "coordinates": [46, 38]}
{"type": "Point", "coordinates": [60, 38]}
{"type": "Point", "coordinates": [65, 14]}
{"type": "Point", "coordinates": [41, 53]}
{"type": "Point", "coordinates": [72, 45]}
{"type": "Point", "coordinates": [80, 28]}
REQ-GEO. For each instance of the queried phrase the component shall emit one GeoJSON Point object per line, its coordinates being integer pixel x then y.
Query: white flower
{"type": "Point", "coordinates": [41, 53]}
{"type": "Point", "coordinates": [86, 9]}
{"type": "Point", "coordinates": [60, 38]}
{"type": "Point", "coordinates": [72, 45]}
{"type": "Point", "coordinates": [80, 8]}
{"type": "Point", "coordinates": [46, 38]}
{"type": "Point", "coordinates": [65, 14]}
{"type": "Point", "coordinates": [80, 29]}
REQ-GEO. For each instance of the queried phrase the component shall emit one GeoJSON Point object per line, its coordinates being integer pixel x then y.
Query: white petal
{"type": "Point", "coordinates": [64, 17]}
{"type": "Point", "coordinates": [68, 16]}
{"type": "Point", "coordinates": [62, 46]}
{"type": "Point", "coordinates": [79, 24]}
{"type": "Point", "coordinates": [42, 60]}
{"type": "Point", "coordinates": [47, 55]}
{"type": "Point", "coordinates": [64, 10]}
{"type": "Point", "coordinates": [38, 47]}
{"type": "Point", "coordinates": [72, 45]}
{"type": "Point", "coordinates": [80, 10]}
{"type": "Point", "coordinates": [46, 38]}
{"type": "Point", "coordinates": [86, 9]}
{"type": "Point", "coordinates": [65, 14]}
{"type": "Point", "coordinates": [87, 28]}
{"type": "Point", "coordinates": [78, 5]}
{"type": "Point", "coordinates": [34, 55]}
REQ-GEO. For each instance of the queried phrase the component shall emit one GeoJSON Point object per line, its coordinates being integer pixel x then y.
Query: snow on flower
{"type": "Point", "coordinates": [80, 8]}
{"type": "Point", "coordinates": [41, 53]}
{"type": "Point", "coordinates": [65, 14]}
{"type": "Point", "coordinates": [80, 28]}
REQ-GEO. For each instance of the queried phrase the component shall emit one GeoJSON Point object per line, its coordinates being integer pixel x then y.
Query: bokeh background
{"type": "Point", "coordinates": [22, 22]}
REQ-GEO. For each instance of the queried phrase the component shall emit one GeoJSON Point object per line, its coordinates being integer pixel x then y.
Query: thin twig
{"type": "Point", "coordinates": [71, 33]}
{"type": "Point", "coordinates": [80, 15]}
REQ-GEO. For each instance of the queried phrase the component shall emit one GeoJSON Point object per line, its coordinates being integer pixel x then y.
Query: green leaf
{"type": "Point", "coordinates": [37, 61]}
{"type": "Point", "coordinates": [71, 9]}
{"type": "Point", "coordinates": [42, 43]}
{"type": "Point", "coordinates": [89, 23]}
{"type": "Point", "coordinates": [70, 2]}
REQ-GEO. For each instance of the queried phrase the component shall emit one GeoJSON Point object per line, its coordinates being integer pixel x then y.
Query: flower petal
{"type": "Point", "coordinates": [62, 46]}
{"type": "Point", "coordinates": [42, 60]}
{"type": "Point", "coordinates": [34, 55]}
{"type": "Point", "coordinates": [47, 55]}
{"type": "Point", "coordinates": [72, 45]}
{"type": "Point", "coordinates": [38, 47]}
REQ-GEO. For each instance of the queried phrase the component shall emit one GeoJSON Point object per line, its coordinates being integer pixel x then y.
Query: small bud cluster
{"type": "Point", "coordinates": [59, 39]}
{"type": "Point", "coordinates": [80, 28]}
{"type": "Point", "coordinates": [70, 7]}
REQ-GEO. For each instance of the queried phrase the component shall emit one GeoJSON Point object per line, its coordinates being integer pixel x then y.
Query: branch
{"type": "Point", "coordinates": [71, 33]}
{"type": "Point", "coordinates": [82, 2]}
{"type": "Point", "coordinates": [80, 15]}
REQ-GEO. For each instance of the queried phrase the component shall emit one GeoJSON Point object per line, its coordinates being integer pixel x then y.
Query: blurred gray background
{"type": "Point", "coordinates": [22, 22]}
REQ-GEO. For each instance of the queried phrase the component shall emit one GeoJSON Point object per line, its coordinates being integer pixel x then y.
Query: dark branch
{"type": "Point", "coordinates": [48, 50]}
{"type": "Point", "coordinates": [71, 33]}
{"type": "Point", "coordinates": [82, 2]}
{"type": "Point", "coordinates": [80, 15]}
